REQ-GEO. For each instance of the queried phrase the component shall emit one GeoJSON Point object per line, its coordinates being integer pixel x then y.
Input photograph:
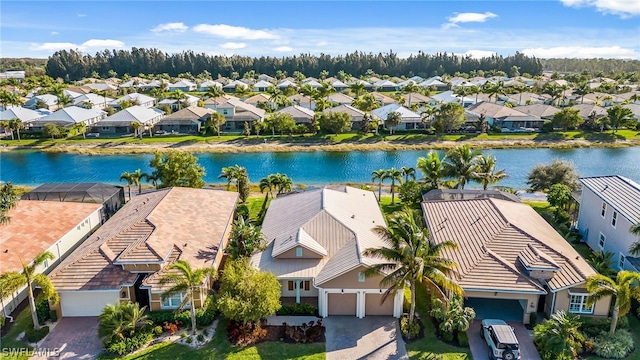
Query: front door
{"type": "Point", "coordinates": [142, 295]}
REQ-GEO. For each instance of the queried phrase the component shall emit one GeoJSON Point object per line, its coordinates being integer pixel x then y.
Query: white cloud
{"type": "Point", "coordinates": [583, 52]}
{"type": "Point", "coordinates": [81, 15]}
{"type": "Point", "coordinates": [468, 17]}
{"type": "Point", "coordinates": [235, 32]}
{"type": "Point", "coordinates": [624, 8]}
{"type": "Point", "coordinates": [233, 45]}
{"type": "Point", "coordinates": [171, 27]}
{"type": "Point", "coordinates": [478, 54]}
{"type": "Point", "coordinates": [54, 33]}
{"type": "Point", "coordinates": [322, 43]}
{"type": "Point", "coordinates": [283, 49]}
{"type": "Point", "coordinates": [92, 44]}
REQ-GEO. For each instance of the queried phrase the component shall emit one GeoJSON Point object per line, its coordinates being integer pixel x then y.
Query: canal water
{"type": "Point", "coordinates": [34, 168]}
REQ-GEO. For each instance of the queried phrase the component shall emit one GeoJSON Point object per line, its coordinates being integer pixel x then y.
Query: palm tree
{"type": "Point", "coordinates": [278, 99]}
{"type": "Point", "coordinates": [121, 320]}
{"type": "Point", "coordinates": [393, 119]}
{"type": "Point", "coordinates": [552, 90]}
{"type": "Point", "coordinates": [16, 125]}
{"type": "Point", "coordinates": [560, 335]}
{"type": "Point", "coordinates": [153, 178]}
{"type": "Point", "coordinates": [28, 277]}
{"type": "Point", "coordinates": [281, 183]}
{"type": "Point", "coordinates": [432, 168]}
{"type": "Point", "coordinates": [602, 262]}
{"type": "Point", "coordinates": [308, 91]}
{"type": "Point", "coordinates": [619, 115]}
{"type": "Point", "coordinates": [461, 162]}
{"type": "Point", "coordinates": [475, 90]}
{"type": "Point", "coordinates": [411, 258]}
{"type": "Point", "coordinates": [582, 89]}
{"type": "Point", "coordinates": [186, 281]}
{"type": "Point", "coordinates": [214, 92]}
{"type": "Point", "coordinates": [245, 239]}
{"type": "Point", "coordinates": [81, 128]}
{"type": "Point", "coordinates": [231, 173]}
{"type": "Point", "coordinates": [624, 288]}
{"type": "Point", "coordinates": [136, 126]}
{"type": "Point", "coordinates": [409, 89]}
{"type": "Point", "coordinates": [242, 91]}
{"type": "Point", "coordinates": [129, 178]}
{"type": "Point", "coordinates": [178, 95]}
{"type": "Point", "coordinates": [635, 246]}
{"type": "Point", "coordinates": [357, 87]}
{"type": "Point", "coordinates": [395, 175]}
{"type": "Point", "coordinates": [8, 201]}
{"type": "Point", "coordinates": [486, 173]}
{"type": "Point", "coordinates": [496, 89]}
{"type": "Point", "coordinates": [268, 185]}
{"type": "Point", "coordinates": [380, 176]}
{"type": "Point", "coordinates": [408, 172]}
{"type": "Point", "coordinates": [136, 176]}
{"type": "Point", "coordinates": [64, 100]}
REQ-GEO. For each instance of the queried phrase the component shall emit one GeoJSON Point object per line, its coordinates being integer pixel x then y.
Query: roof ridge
{"type": "Point", "coordinates": [513, 269]}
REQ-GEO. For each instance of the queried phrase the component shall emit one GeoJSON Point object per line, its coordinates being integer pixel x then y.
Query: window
{"type": "Point", "coordinates": [307, 285]}
{"type": "Point", "coordinates": [602, 240]}
{"type": "Point", "coordinates": [360, 276]}
{"type": "Point", "coordinates": [290, 285]}
{"type": "Point", "coordinates": [614, 219]}
{"type": "Point", "coordinates": [578, 304]}
{"type": "Point", "coordinates": [604, 210]}
{"type": "Point", "coordinates": [298, 251]}
{"type": "Point", "coordinates": [173, 301]}
{"type": "Point", "coordinates": [45, 264]}
{"type": "Point", "coordinates": [621, 262]}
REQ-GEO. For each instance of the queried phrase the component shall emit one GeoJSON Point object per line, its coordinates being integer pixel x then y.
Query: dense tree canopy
{"type": "Point", "coordinates": [178, 168]}
{"type": "Point", "coordinates": [543, 176]}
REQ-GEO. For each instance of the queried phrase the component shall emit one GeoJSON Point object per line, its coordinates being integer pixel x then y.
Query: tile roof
{"type": "Point", "coordinates": [189, 113]}
{"type": "Point", "coordinates": [539, 110]}
{"type": "Point", "coordinates": [297, 112]}
{"type": "Point", "coordinates": [335, 222]}
{"type": "Point", "coordinates": [138, 113]}
{"type": "Point", "coordinates": [620, 193]}
{"type": "Point", "coordinates": [154, 227]}
{"type": "Point", "coordinates": [496, 238]}
{"type": "Point", "coordinates": [37, 225]}
{"type": "Point", "coordinates": [585, 110]}
{"type": "Point", "coordinates": [494, 110]}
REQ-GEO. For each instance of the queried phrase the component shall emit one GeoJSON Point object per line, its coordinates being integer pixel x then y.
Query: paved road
{"type": "Point", "coordinates": [373, 337]}
{"type": "Point", "coordinates": [74, 338]}
{"type": "Point", "coordinates": [480, 349]}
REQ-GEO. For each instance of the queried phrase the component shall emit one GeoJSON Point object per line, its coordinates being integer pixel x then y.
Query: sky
{"type": "Point", "coordinates": [542, 28]}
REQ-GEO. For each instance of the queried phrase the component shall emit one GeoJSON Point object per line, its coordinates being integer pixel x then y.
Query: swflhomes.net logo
{"type": "Point", "coordinates": [39, 352]}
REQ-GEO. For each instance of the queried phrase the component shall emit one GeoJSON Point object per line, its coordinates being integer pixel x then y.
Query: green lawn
{"type": "Point", "coordinates": [220, 348]}
{"type": "Point", "coordinates": [22, 322]}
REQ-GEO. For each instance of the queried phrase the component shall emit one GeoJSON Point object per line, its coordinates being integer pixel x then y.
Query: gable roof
{"type": "Point", "coordinates": [94, 99]}
{"type": "Point", "coordinates": [585, 110]}
{"type": "Point", "coordinates": [72, 115]}
{"type": "Point", "coordinates": [297, 112]}
{"type": "Point", "coordinates": [25, 115]}
{"type": "Point", "coordinates": [539, 110]}
{"type": "Point", "coordinates": [340, 98]}
{"type": "Point", "coordinates": [134, 113]}
{"type": "Point", "coordinates": [620, 193]}
{"type": "Point", "coordinates": [494, 110]}
{"type": "Point", "coordinates": [189, 113]}
{"type": "Point", "coordinates": [493, 236]}
{"type": "Point", "coordinates": [345, 108]}
{"type": "Point", "coordinates": [336, 223]}
{"type": "Point", "coordinates": [140, 98]}
{"type": "Point", "coordinates": [405, 114]}
{"type": "Point", "coordinates": [156, 227]}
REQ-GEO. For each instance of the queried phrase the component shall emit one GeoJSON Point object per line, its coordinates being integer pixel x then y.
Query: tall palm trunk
{"type": "Point", "coordinates": [412, 308]}
{"type": "Point", "coordinates": [614, 320]}
{"type": "Point", "coordinates": [32, 306]}
{"type": "Point", "coordinates": [129, 192]}
{"type": "Point", "coordinates": [393, 191]}
{"type": "Point", "coordinates": [193, 313]}
{"type": "Point", "coordinates": [379, 190]}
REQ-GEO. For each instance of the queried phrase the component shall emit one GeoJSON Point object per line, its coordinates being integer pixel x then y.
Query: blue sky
{"type": "Point", "coordinates": [546, 28]}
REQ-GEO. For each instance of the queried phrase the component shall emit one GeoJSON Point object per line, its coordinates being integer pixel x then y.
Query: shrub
{"type": "Point", "coordinates": [312, 331]}
{"type": "Point", "coordinates": [34, 335]}
{"type": "Point", "coordinates": [127, 345]}
{"type": "Point", "coordinates": [409, 330]}
{"type": "Point", "coordinates": [592, 327]}
{"type": "Point", "coordinates": [617, 346]}
{"type": "Point", "coordinates": [463, 339]}
{"type": "Point", "coordinates": [189, 339]}
{"type": "Point", "coordinates": [447, 336]}
{"type": "Point", "coordinates": [563, 217]}
{"type": "Point", "coordinates": [241, 211]}
{"type": "Point", "coordinates": [297, 309]}
{"type": "Point", "coordinates": [200, 338]}
{"type": "Point", "coordinates": [547, 126]}
{"type": "Point", "coordinates": [157, 330]}
{"type": "Point", "coordinates": [42, 310]}
{"type": "Point", "coordinates": [533, 318]}
{"type": "Point", "coordinates": [183, 335]}
{"type": "Point", "coordinates": [205, 332]}
{"type": "Point", "coordinates": [53, 315]}
{"type": "Point", "coordinates": [2, 320]}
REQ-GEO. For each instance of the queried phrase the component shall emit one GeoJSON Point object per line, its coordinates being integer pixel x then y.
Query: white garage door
{"type": "Point", "coordinates": [86, 303]}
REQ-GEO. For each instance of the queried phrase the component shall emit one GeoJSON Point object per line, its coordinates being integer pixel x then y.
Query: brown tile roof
{"type": "Point", "coordinates": [156, 227]}
{"type": "Point", "coordinates": [37, 225]}
{"type": "Point", "coordinates": [493, 238]}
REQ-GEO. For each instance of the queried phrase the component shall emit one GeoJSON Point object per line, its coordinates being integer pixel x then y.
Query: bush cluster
{"type": "Point", "coordinates": [409, 330]}
{"type": "Point", "coordinates": [34, 335]}
{"type": "Point", "coordinates": [42, 310]}
{"type": "Point", "coordinates": [617, 346]}
{"type": "Point", "coordinates": [592, 327]}
{"type": "Point", "coordinates": [463, 339]}
{"type": "Point", "coordinates": [124, 346]}
{"type": "Point", "coordinates": [297, 309]}
{"type": "Point", "coordinates": [204, 315]}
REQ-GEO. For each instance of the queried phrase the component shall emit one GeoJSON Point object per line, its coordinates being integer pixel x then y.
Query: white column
{"type": "Point", "coordinates": [398, 301]}
{"type": "Point", "coordinates": [325, 303]}
{"type": "Point", "coordinates": [360, 298]}
{"type": "Point", "coordinates": [298, 283]}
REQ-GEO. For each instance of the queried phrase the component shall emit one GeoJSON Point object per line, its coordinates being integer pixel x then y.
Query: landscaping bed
{"type": "Point", "coordinates": [251, 334]}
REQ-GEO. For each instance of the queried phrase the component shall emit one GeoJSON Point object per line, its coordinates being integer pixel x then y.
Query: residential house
{"type": "Point", "coordinates": [213, 102]}
{"type": "Point", "coordinates": [237, 113]}
{"type": "Point", "coordinates": [101, 87]}
{"type": "Point", "coordinates": [609, 206]}
{"type": "Point", "coordinates": [176, 104]}
{"type": "Point", "coordinates": [340, 99]}
{"type": "Point", "coordinates": [260, 98]}
{"type": "Point", "coordinates": [92, 101]}
{"type": "Point", "coordinates": [46, 101]}
{"type": "Point", "coordinates": [231, 87]}
{"type": "Point", "coordinates": [410, 119]}
{"type": "Point", "coordinates": [300, 114]}
{"type": "Point", "coordinates": [635, 109]}
{"type": "Point", "coordinates": [525, 98]}
{"type": "Point", "coordinates": [261, 86]}
{"type": "Point", "coordinates": [206, 85]}
{"type": "Point", "coordinates": [185, 121]}
{"type": "Point", "coordinates": [285, 84]}
{"type": "Point", "coordinates": [312, 82]}
{"type": "Point", "coordinates": [509, 260]}
{"type": "Point", "coordinates": [316, 243]}
{"type": "Point", "coordinates": [109, 196]}
{"type": "Point", "coordinates": [25, 115]}
{"type": "Point", "coordinates": [357, 115]}
{"type": "Point", "coordinates": [587, 110]}
{"type": "Point", "coordinates": [304, 101]}
{"type": "Point", "coordinates": [367, 85]}
{"type": "Point", "coordinates": [385, 85]}
{"type": "Point", "coordinates": [505, 117]}
{"type": "Point", "coordinates": [125, 258]}
{"type": "Point", "coordinates": [120, 122]}
{"type": "Point", "coordinates": [338, 85]}
{"type": "Point", "coordinates": [266, 77]}
{"type": "Point", "coordinates": [448, 96]}
{"type": "Point", "coordinates": [13, 74]}
{"type": "Point", "coordinates": [133, 98]}
{"type": "Point", "coordinates": [69, 117]}
{"type": "Point", "coordinates": [183, 85]}
{"type": "Point", "coordinates": [542, 111]}
{"type": "Point", "coordinates": [38, 226]}
{"type": "Point", "coordinates": [383, 99]}
{"type": "Point", "coordinates": [434, 83]}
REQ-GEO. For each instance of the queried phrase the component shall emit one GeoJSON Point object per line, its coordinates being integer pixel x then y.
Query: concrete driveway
{"type": "Point", "coordinates": [73, 338]}
{"type": "Point", "coordinates": [480, 349]}
{"type": "Point", "coordinates": [373, 337]}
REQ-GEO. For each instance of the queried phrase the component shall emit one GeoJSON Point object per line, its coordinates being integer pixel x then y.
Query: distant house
{"type": "Point", "coordinates": [259, 98]}
{"type": "Point", "coordinates": [285, 84]}
{"type": "Point", "coordinates": [185, 121]}
{"type": "Point", "coordinates": [92, 101]}
{"type": "Point", "coordinates": [434, 83]}
{"type": "Point", "coordinates": [587, 110]}
{"type": "Point", "coordinates": [385, 85]}
{"type": "Point", "coordinates": [542, 111]}
{"type": "Point", "coordinates": [504, 116]}
{"type": "Point", "coordinates": [120, 122]}
{"type": "Point", "coordinates": [125, 258]}
{"type": "Point", "coordinates": [101, 86]}
{"type": "Point", "coordinates": [304, 101]}
{"type": "Point", "coordinates": [237, 113]}
{"type": "Point", "coordinates": [206, 85]}
{"type": "Point", "coordinates": [448, 96]}
{"type": "Point", "coordinates": [231, 87]}
{"type": "Point", "coordinates": [38, 226]}
{"type": "Point", "coordinates": [69, 117]}
{"type": "Point", "coordinates": [383, 99]}
{"type": "Point", "coordinates": [13, 74]}
{"type": "Point", "coordinates": [175, 105]}
{"type": "Point", "coordinates": [338, 85]}
{"type": "Point", "coordinates": [316, 243]}
{"type": "Point", "coordinates": [609, 206]}
{"type": "Point", "coordinates": [183, 85]}
{"type": "Point", "coordinates": [509, 260]}
{"type": "Point", "coordinates": [357, 115]}
{"type": "Point", "coordinates": [44, 101]}
{"type": "Point", "coordinates": [140, 99]}
{"type": "Point", "coordinates": [261, 86]}
{"type": "Point", "coordinates": [410, 119]}
{"type": "Point", "coordinates": [25, 115]}
{"type": "Point", "coordinates": [300, 114]}
{"type": "Point", "coordinates": [340, 99]}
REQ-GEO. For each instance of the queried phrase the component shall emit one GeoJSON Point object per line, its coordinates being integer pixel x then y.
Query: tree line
{"type": "Point", "coordinates": [74, 65]}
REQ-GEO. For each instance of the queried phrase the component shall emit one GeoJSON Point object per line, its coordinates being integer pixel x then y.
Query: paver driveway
{"type": "Point", "coordinates": [75, 338]}
{"type": "Point", "coordinates": [373, 337]}
{"type": "Point", "coordinates": [480, 349]}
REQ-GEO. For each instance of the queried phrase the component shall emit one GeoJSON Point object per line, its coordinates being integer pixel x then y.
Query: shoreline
{"type": "Point", "coordinates": [112, 148]}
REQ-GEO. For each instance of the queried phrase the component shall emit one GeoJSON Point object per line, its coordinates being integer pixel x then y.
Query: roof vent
{"type": "Point", "coordinates": [353, 216]}
{"type": "Point", "coordinates": [605, 187]}
{"type": "Point", "coordinates": [6, 251]}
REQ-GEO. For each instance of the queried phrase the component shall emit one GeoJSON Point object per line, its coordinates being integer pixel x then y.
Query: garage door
{"type": "Point", "coordinates": [508, 310]}
{"type": "Point", "coordinates": [86, 303]}
{"type": "Point", "coordinates": [342, 304]}
{"type": "Point", "coordinates": [373, 306]}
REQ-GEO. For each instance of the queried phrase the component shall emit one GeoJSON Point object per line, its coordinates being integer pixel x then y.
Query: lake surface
{"type": "Point", "coordinates": [35, 168]}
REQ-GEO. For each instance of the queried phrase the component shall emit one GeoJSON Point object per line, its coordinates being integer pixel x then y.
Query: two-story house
{"type": "Point", "coordinates": [609, 206]}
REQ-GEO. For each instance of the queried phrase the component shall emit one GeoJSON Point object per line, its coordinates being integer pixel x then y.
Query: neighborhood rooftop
{"type": "Point", "coordinates": [619, 192]}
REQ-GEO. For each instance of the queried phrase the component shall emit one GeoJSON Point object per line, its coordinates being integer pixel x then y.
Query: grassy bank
{"type": "Point", "coordinates": [342, 142]}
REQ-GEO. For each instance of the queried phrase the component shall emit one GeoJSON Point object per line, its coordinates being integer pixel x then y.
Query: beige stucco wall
{"type": "Point", "coordinates": [562, 302]}
{"type": "Point", "coordinates": [350, 281]}
{"type": "Point", "coordinates": [306, 254]}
